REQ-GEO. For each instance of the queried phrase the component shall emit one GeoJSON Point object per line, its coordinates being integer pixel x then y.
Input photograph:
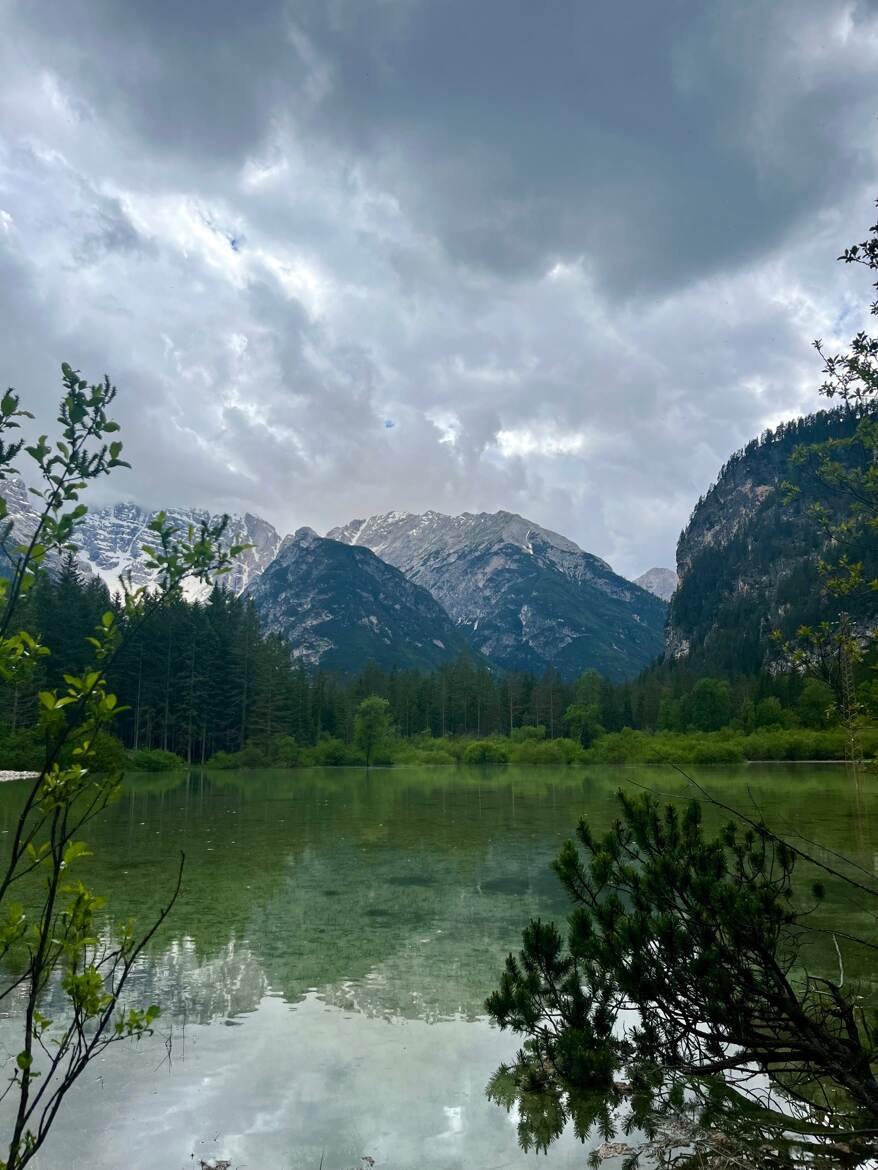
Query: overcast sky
{"type": "Point", "coordinates": [344, 256]}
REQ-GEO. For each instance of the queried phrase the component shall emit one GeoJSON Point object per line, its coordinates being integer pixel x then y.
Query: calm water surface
{"type": "Point", "coordinates": [323, 975]}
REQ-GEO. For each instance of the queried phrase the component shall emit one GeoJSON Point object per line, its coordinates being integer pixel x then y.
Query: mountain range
{"type": "Point", "coordinates": [415, 590]}
{"type": "Point", "coordinates": [527, 598]}
{"type": "Point", "coordinates": [340, 607]}
{"type": "Point", "coordinates": [110, 540]}
{"type": "Point", "coordinates": [407, 590]}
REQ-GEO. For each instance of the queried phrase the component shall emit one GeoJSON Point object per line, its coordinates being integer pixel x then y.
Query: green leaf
{"type": "Point", "coordinates": [75, 850]}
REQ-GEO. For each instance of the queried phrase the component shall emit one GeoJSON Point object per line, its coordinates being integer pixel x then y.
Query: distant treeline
{"type": "Point", "coordinates": [201, 678]}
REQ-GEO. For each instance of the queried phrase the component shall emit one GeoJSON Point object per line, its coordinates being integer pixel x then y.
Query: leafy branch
{"type": "Point", "coordinates": [59, 937]}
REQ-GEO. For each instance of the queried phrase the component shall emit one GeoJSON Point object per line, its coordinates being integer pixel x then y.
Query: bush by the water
{"type": "Point", "coordinates": [526, 746]}
{"type": "Point", "coordinates": [284, 752]}
{"type": "Point", "coordinates": [154, 760]}
{"type": "Point", "coordinates": [486, 751]}
{"type": "Point", "coordinates": [724, 747]}
{"type": "Point", "coordinates": [22, 750]}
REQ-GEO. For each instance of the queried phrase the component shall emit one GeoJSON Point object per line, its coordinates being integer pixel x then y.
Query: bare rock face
{"type": "Point", "coordinates": [341, 607]}
{"type": "Point", "coordinates": [21, 512]}
{"type": "Point", "coordinates": [111, 543]}
{"type": "Point", "coordinates": [110, 540]}
{"type": "Point", "coordinates": [661, 582]}
{"type": "Point", "coordinates": [527, 598]}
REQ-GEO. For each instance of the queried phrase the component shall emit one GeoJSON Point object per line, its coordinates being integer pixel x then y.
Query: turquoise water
{"type": "Point", "coordinates": [323, 975]}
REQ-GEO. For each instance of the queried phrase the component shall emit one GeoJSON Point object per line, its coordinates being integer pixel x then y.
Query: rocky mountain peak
{"type": "Point", "coordinates": [340, 606]}
{"type": "Point", "coordinates": [110, 540]}
{"type": "Point", "coordinates": [661, 582]}
{"type": "Point", "coordinates": [527, 597]}
{"type": "Point", "coordinates": [401, 537]}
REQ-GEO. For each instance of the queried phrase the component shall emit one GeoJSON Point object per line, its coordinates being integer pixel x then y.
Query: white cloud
{"type": "Point", "coordinates": [540, 441]}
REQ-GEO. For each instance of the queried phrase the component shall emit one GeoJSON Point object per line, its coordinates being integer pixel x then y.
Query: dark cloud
{"type": "Point", "coordinates": [656, 140]}
{"type": "Point", "coordinates": [574, 254]}
{"type": "Point", "coordinates": [198, 80]}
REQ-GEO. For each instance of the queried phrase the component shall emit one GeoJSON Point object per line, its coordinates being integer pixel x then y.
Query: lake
{"type": "Point", "coordinates": [323, 975]}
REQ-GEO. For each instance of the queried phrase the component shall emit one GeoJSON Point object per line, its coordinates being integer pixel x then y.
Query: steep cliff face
{"type": "Point", "coordinates": [747, 560]}
{"type": "Point", "coordinates": [20, 522]}
{"type": "Point", "coordinates": [526, 597]}
{"type": "Point", "coordinates": [111, 543]}
{"type": "Point", "coordinates": [341, 607]}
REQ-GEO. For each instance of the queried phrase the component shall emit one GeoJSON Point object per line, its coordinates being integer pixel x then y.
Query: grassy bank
{"type": "Point", "coordinates": [624, 747]}
{"type": "Point", "coordinates": [527, 745]}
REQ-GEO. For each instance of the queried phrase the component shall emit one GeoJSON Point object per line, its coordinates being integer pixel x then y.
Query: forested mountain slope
{"type": "Point", "coordinates": [747, 560]}
{"type": "Point", "coordinates": [340, 607]}
{"type": "Point", "coordinates": [527, 598]}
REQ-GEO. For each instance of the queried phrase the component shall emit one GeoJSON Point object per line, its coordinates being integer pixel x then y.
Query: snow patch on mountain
{"type": "Point", "coordinates": [110, 540]}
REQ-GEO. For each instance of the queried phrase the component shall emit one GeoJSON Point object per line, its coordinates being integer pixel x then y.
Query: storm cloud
{"type": "Point", "coordinates": [574, 253]}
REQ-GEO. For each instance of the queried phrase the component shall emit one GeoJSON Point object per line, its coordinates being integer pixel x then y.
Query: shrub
{"type": "Point", "coordinates": [723, 747]}
{"type": "Point", "coordinates": [286, 753]}
{"type": "Point", "coordinates": [431, 749]}
{"type": "Point", "coordinates": [225, 760]}
{"type": "Point", "coordinates": [335, 753]}
{"type": "Point", "coordinates": [452, 747]}
{"type": "Point", "coordinates": [485, 751]}
{"type": "Point", "coordinates": [436, 757]}
{"type": "Point", "coordinates": [718, 752]}
{"type": "Point", "coordinates": [619, 747]}
{"type": "Point", "coordinates": [550, 751]}
{"type": "Point", "coordinates": [154, 760]}
{"type": "Point", "coordinates": [528, 734]}
{"type": "Point", "coordinates": [253, 755]}
{"type": "Point", "coordinates": [109, 753]}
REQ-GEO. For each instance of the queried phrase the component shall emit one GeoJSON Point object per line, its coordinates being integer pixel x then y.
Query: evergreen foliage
{"type": "Point", "coordinates": [692, 963]}
{"type": "Point", "coordinates": [680, 983]}
{"type": "Point", "coordinates": [768, 518]}
{"type": "Point", "coordinates": [200, 683]}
